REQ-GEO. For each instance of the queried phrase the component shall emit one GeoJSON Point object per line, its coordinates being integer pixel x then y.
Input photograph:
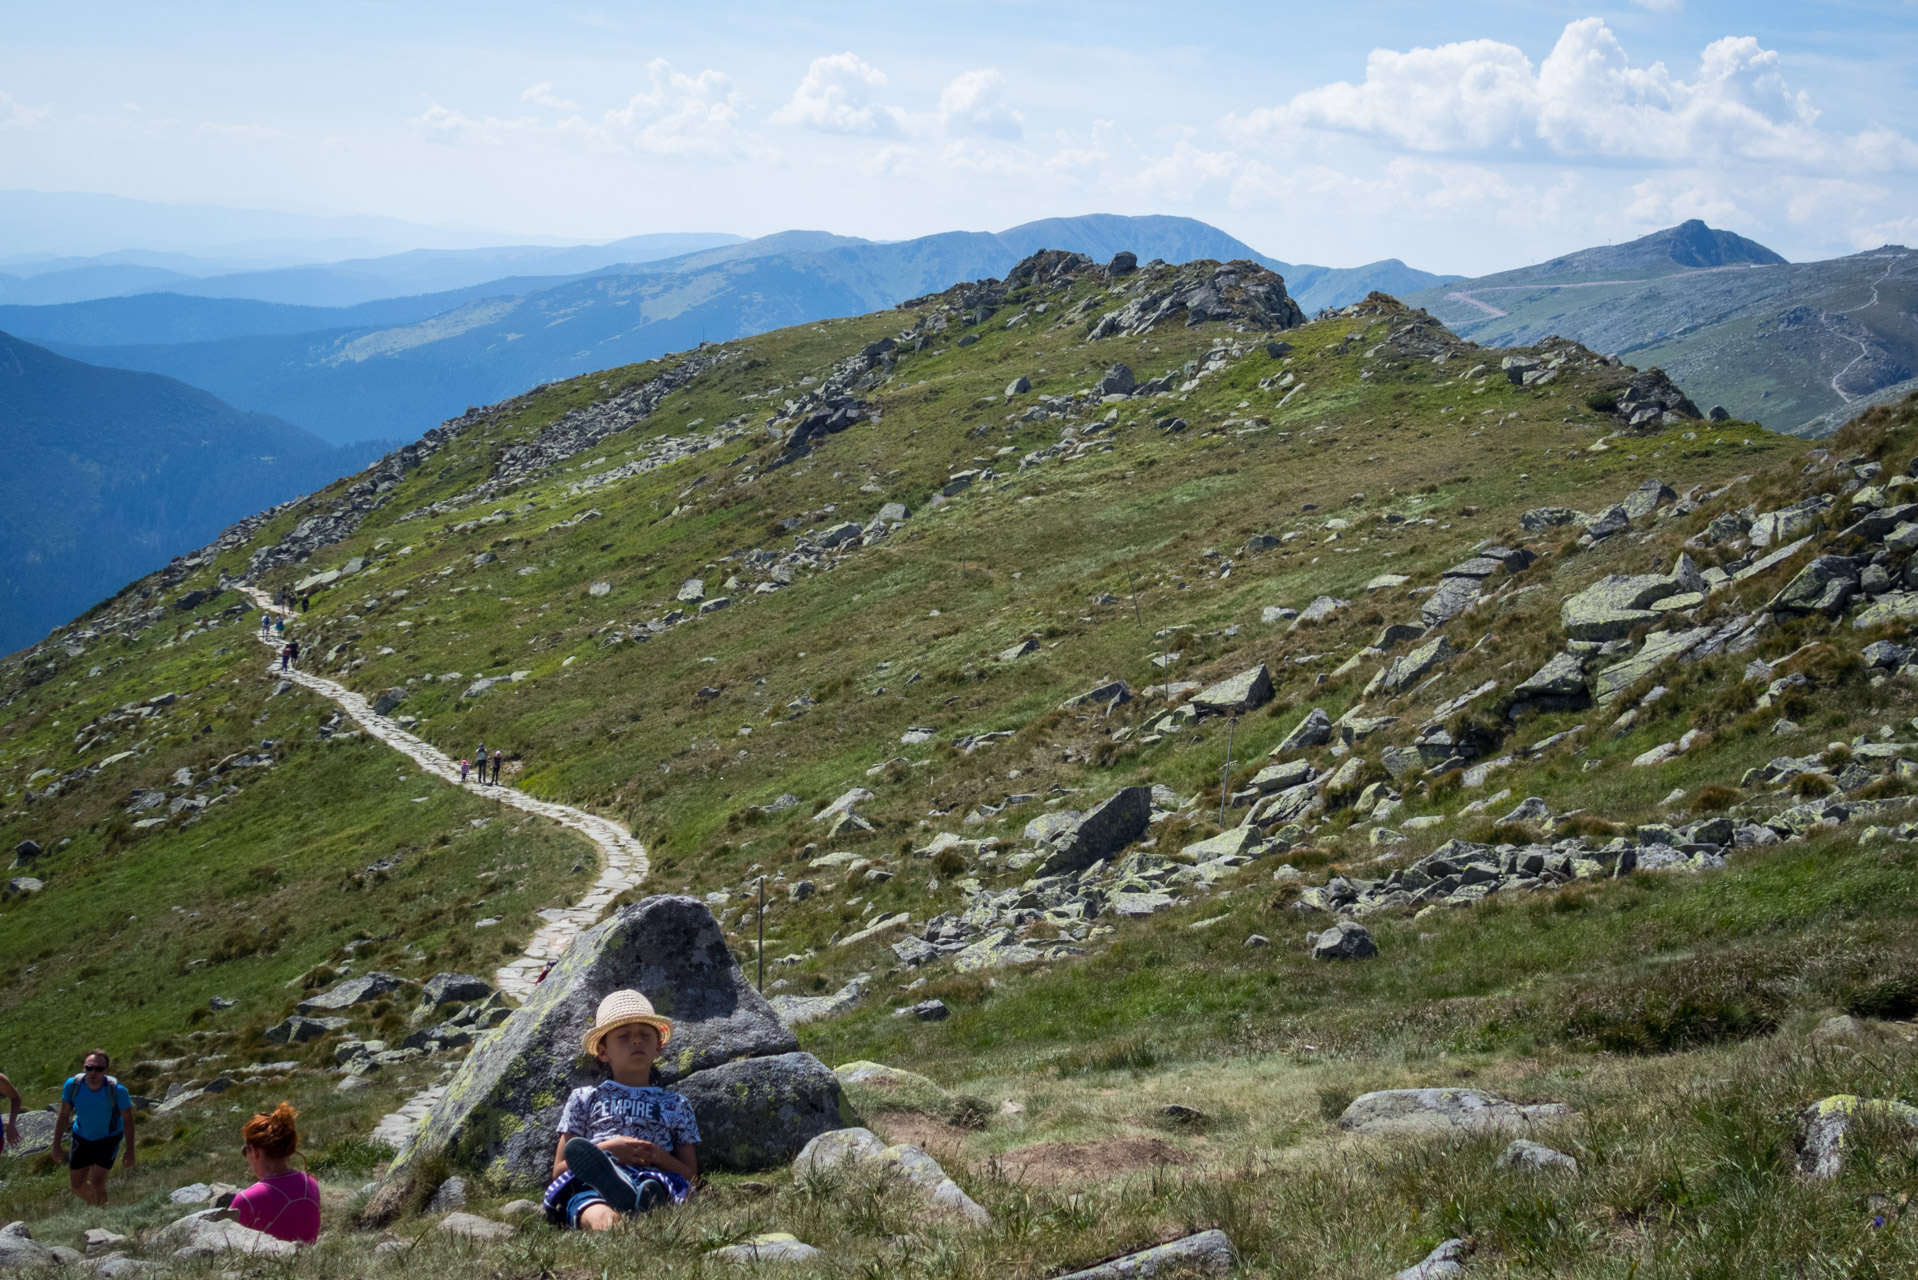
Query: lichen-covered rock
{"type": "Point", "coordinates": [874, 1086]}
{"type": "Point", "coordinates": [758, 1112]}
{"type": "Point", "coordinates": [1104, 829]}
{"type": "Point", "coordinates": [844, 1149]}
{"type": "Point", "coordinates": [1612, 606]}
{"type": "Point", "coordinates": [1823, 586]}
{"type": "Point", "coordinates": [1402, 673]}
{"type": "Point", "coordinates": [1208, 1253]}
{"type": "Point", "coordinates": [498, 1113]}
{"type": "Point", "coordinates": [1422, 1111]}
{"type": "Point", "coordinates": [1313, 731]}
{"type": "Point", "coordinates": [1824, 1125]}
{"type": "Point", "coordinates": [1246, 691]}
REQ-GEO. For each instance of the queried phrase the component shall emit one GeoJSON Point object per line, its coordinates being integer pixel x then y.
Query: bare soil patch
{"type": "Point", "coordinates": [1101, 1161]}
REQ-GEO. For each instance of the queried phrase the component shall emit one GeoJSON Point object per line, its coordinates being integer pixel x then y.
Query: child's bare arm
{"type": "Point", "coordinates": [559, 1154]}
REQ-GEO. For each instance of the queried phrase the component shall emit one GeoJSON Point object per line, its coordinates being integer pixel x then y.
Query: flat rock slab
{"type": "Point", "coordinates": [1417, 1112]}
{"type": "Point", "coordinates": [773, 1246]}
{"type": "Point", "coordinates": [474, 1227]}
{"type": "Point", "coordinates": [1443, 1263]}
{"type": "Point", "coordinates": [208, 1233]}
{"type": "Point", "coordinates": [1207, 1253]}
{"type": "Point", "coordinates": [862, 1149]}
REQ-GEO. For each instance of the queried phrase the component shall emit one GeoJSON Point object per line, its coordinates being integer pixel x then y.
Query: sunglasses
{"type": "Point", "coordinates": [91, 1069]}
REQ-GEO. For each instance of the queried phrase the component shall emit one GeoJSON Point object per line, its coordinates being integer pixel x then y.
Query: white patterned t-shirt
{"type": "Point", "coordinates": [615, 1110]}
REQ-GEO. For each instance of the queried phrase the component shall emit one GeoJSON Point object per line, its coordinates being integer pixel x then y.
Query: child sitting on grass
{"type": "Point", "coordinates": [625, 1146]}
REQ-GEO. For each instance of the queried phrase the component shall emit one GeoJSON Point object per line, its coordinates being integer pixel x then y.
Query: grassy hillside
{"type": "Point", "coordinates": [548, 542]}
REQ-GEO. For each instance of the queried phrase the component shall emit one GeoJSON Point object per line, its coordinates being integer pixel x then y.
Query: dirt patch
{"type": "Point", "coordinates": [1101, 1161]}
{"type": "Point", "coordinates": [933, 1136]}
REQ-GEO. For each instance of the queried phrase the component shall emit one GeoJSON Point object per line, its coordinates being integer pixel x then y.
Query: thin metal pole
{"type": "Point", "coordinates": [1225, 771]}
{"type": "Point", "coordinates": [1137, 616]}
{"type": "Point", "coordinates": [762, 935]}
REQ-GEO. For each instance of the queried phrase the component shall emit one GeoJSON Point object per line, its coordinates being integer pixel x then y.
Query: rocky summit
{"type": "Point", "coordinates": [1109, 775]}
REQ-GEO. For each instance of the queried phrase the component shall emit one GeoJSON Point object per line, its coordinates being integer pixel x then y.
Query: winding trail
{"type": "Point", "coordinates": [623, 856]}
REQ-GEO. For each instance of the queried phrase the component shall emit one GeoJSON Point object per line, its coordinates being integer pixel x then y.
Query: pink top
{"type": "Point", "coordinates": [286, 1207]}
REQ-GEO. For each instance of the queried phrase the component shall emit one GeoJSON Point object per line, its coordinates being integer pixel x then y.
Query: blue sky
{"type": "Point", "coordinates": [1462, 137]}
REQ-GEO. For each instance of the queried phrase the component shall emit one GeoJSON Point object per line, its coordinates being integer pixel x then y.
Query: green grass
{"type": "Point", "coordinates": [1672, 1010]}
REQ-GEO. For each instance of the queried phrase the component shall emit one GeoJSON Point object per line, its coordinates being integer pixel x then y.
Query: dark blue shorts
{"type": "Point", "coordinates": [95, 1153]}
{"type": "Point", "coordinates": [567, 1197]}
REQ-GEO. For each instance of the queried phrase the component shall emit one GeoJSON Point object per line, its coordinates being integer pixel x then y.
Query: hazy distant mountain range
{"type": "Point", "coordinates": [109, 474]}
{"type": "Point", "coordinates": [391, 367]}
{"type": "Point", "coordinates": [1798, 346]}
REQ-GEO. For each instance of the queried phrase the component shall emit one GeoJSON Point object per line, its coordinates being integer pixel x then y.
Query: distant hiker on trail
{"type": "Point", "coordinates": [279, 628]}
{"type": "Point", "coordinates": [465, 765]}
{"type": "Point", "coordinates": [286, 656]}
{"type": "Point", "coordinates": [266, 620]}
{"type": "Point", "coordinates": [11, 1133]}
{"type": "Point", "coordinates": [479, 758]}
{"type": "Point", "coordinates": [284, 1203]}
{"type": "Point", "coordinates": [304, 602]}
{"type": "Point", "coordinates": [625, 1146]}
{"type": "Point", "coordinates": [100, 1112]}
{"type": "Point", "coordinates": [499, 758]}
{"type": "Point", "coordinates": [293, 648]}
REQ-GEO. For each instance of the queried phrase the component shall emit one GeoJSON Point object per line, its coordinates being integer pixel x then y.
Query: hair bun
{"type": "Point", "coordinates": [273, 1135]}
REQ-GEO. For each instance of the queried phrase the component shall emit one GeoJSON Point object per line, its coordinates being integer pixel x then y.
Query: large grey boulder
{"type": "Point", "coordinates": [1347, 940]}
{"type": "Point", "coordinates": [1612, 606]}
{"type": "Point", "coordinates": [447, 988]}
{"type": "Point", "coordinates": [1403, 672]}
{"type": "Point", "coordinates": [1539, 519]}
{"type": "Point", "coordinates": [1823, 586]}
{"type": "Point", "coordinates": [210, 1233]}
{"type": "Point", "coordinates": [1209, 1253]}
{"type": "Point", "coordinates": [1313, 731]}
{"type": "Point", "coordinates": [298, 1030]}
{"type": "Point", "coordinates": [1118, 381]}
{"type": "Point", "coordinates": [1438, 1111]}
{"type": "Point", "coordinates": [344, 995]}
{"type": "Point", "coordinates": [848, 1149]}
{"type": "Point", "coordinates": [1453, 597]}
{"type": "Point", "coordinates": [1105, 829]}
{"type": "Point", "coordinates": [498, 1114]}
{"type": "Point", "coordinates": [1824, 1125]}
{"type": "Point", "coordinates": [1647, 498]}
{"type": "Point", "coordinates": [759, 1112]}
{"type": "Point", "coordinates": [18, 1248]}
{"type": "Point", "coordinates": [1789, 523]}
{"type": "Point", "coordinates": [1659, 648]}
{"type": "Point", "coordinates": [1559, 685]}
{"type": "Point", "coordinates": [1237, 694]}
{"type": "Point", "coordinates": [1447, 1262]}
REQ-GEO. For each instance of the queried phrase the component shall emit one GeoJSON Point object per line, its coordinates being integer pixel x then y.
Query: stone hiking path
{"type": "Point", "coordinates": [625, 858]}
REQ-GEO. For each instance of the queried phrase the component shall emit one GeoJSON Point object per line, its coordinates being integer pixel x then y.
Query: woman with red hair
{"type": "Point", "coordinates": [284, 1203]}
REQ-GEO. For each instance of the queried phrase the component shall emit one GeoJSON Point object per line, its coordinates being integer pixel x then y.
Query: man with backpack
{"type": "Point", "coordinates": [100, 1111]}
{"type": "Point", "coordinates": [479, 759]}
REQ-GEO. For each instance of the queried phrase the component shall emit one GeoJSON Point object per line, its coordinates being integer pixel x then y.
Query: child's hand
{"type": "Point", "coordinates": [633, 1151]}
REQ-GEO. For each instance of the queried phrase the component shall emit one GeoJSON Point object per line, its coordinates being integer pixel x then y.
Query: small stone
{"type": "Point", "coordinates": [1535, 1157]}
{"type": "Point", "coordinates": [1257, 940]}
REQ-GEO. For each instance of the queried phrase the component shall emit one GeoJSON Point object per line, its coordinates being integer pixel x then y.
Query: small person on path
{"type": "Point", "coordinates": [479, 758]}
{"type": "Point", "coordinates": [279, 628]}
{"type": "Point", "coordinates": [625, 1145]}
{"type": "Point", "coordinates": [499, 758]}
{"type": "Point", "coordinates": [283, 1202]}
{"type": "Point", "coordinates": [293, 648]}
{"type": "Point", "coordinates": [11, 1133]}
{"type": "Point", "coordinates": [286, 655]}
{"type": "Point", "coordinates": [304, 602]}
{"type": "Point", "coordinates": [266, 620]}
{"type": "Point", "coordinates": [100, 1111]}
{"type": "Point", "coordinates": [465, 765]}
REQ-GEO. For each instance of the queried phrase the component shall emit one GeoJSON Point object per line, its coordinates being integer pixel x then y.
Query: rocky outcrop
{"type": "Point", "coordinates": [1440, 1111]}
{"type": "Point", "coordinates": [1201, 291]}
{"type": "Point", "coordinates": [497, 1115]}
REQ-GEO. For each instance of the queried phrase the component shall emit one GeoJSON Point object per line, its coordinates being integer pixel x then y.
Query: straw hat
{"type": "Point", "coordinates": [620, 1009]}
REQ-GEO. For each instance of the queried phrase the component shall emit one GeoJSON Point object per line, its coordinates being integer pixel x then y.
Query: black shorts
{"type": "Point", "coordinates": [93, 1152]}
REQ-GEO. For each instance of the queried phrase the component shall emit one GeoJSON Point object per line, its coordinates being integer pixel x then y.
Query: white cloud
{"type": "Point", "coordinates": [18, 115]}
{"type": "Point", "coordinates": [679, 114]}
{"type": "Point", "coordinates": [974, 104]}
{"type": "Point", "coordinates": [542, 95]}
{"type": "Point", "coordinates": [1585, 100]}
{"type": "Point", "coordinates": [836, 96]}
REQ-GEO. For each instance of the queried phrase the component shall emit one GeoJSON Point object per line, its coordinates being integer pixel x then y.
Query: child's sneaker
{"type": "Point", "coordinates": [600, 1172]}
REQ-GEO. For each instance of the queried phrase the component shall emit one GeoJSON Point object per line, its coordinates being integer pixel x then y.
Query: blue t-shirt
{"type": "Point", "coordinates": [96, 1112]}
{"type": "Point", "coordinates": [613, 1110]}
